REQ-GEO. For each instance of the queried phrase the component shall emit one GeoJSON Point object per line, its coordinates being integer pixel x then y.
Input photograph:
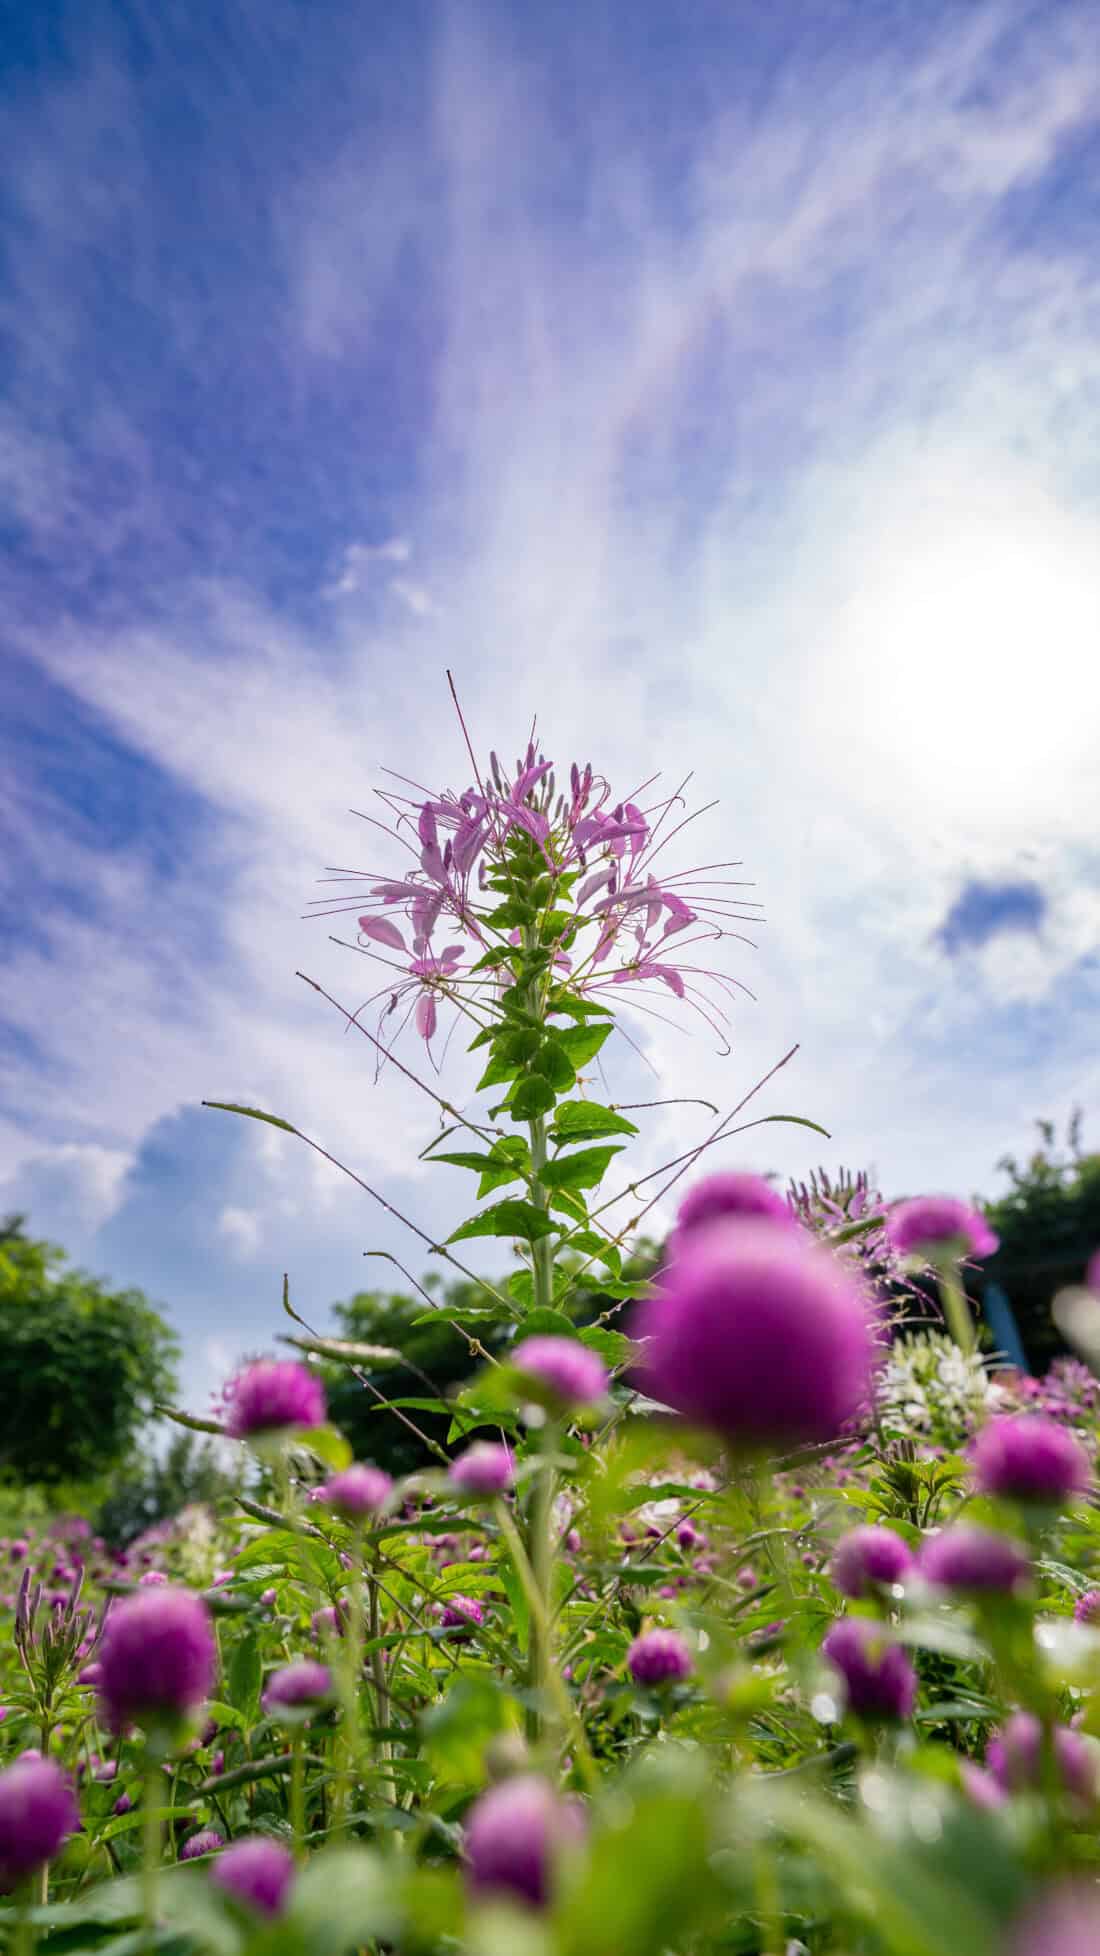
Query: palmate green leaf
{"type": "Point", "coordinates": [584, 1170]}
{"type": "Point", "coordinates": [586, 1120]}
{"type": "Point", "coordinates": [508, 1218]}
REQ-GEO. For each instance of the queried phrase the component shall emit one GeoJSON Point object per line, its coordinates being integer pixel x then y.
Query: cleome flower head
{"type": "Point", "coordinates": [527, 859]}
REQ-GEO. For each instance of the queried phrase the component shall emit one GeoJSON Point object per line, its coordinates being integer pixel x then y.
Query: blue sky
{"type": "Point", "coordinates": [720, 383]}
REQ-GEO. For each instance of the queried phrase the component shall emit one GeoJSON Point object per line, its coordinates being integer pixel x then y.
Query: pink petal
{"type": "Point", "coordinates": [382, 931]}
{"type": "Point", "coordinates": [425, 1015]}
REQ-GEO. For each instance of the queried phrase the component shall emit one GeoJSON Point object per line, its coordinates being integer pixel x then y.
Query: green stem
{"type": "Point", "coordinates": [22, 1942]}
{"type": "Point", "coordinates": [298, 1794]}
{"type": "Point", "coordinates": [537, 1604]}
{"type": "Point", "coordinates": [151, 1843]}
{"type": "Point", "coordinates": [378, 1675]}
{"type": "Point", "coordinates": [956, 1308]}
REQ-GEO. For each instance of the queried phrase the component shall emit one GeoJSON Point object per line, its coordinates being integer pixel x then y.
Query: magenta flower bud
{"type": "Point", "coordinates": [975, 1561]}
{"type": "Point", "coordinates": [727, 1195]}
{"type": "Point", "coordinates": [1014, 1757]}
{"type": "Point", "coordinates": [1087, 1608]}
{"type": "Point", "coordinates": [935, 1226]}
{"type": "Point", "coordinates": [206, 1841]}
{"type": "Point", "coordinates": [1064, 1922]}
{"type": "Point", "coordinates": [688, 1536]}
{"type": "Point", "coordinates": [358, 1491]}
{"type": "Point", "coordinates": [486, 1468]}
{"type": "Point", "coordinates": [302, 1683]}
{"type": "Point", "coordinates": [758, 1334]}
{"type": "Point", "coordinates": [868, 1557]}
{"type": "Point", "coordinates": [152, 1579]}
{"type": "Point", "coordinates": [268, 1597]}
{"type": "Point", "coordinates": [659, 1657]}
{"type": "Point", "coordinates": [1029, 1457]}
{"type": "Point", "coordinates": [327, 1621]}
{"type": "Point", "coordinates": [156, 1660]}
{"type": "Point", "coordinates": [462, 1613]}
{"type": "Point", "coordinates": [123, 1804]}
{"type": "Point", "coordinates": [256, 1872]}
{"type": "Point", "coordinates": [980, 1786]}
{"type": "Point", "coordinates": [91, 1673]}
{"type": "Point", "coordinates": [566, 1368]}
{"type": "Point", "coordinates": [272, 1396]}
{"type": "Point", "coordinates": [515, 1836]}
{"type": "Point", "coordinates": [879, 1680]}
{"type": "Point", "coordinates": [38, 1812]}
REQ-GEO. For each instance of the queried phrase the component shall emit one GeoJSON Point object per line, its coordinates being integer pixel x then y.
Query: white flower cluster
{"type": "Point", "coordinates": [931, 1390]}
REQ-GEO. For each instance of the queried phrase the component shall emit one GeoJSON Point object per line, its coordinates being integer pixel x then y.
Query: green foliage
{"type": "Point", "coordinates": [1048, 1221]}
{"type": "Point", "coordinates": [157, 1488]}
{"type": "Point", "coordinates": [81, 1366]}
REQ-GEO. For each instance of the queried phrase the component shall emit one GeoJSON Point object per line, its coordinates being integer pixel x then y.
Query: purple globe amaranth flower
{"type": "Point", "coordinates": [156, 1660]}
{"type": "Point", "coordinates": [302, 1683]}
{"type": "Point", "coordinates": [975, 1561]}
{"type": "Point", "coordinates": [1029, 1457]}
{"type": "Point", "coordinates": [462, 1613]}
{"type": "Point", "coordinates": [329, 1619]}
{"type": "Point", "coordinates": [659, 1657]}
{"type": "Point", "coordinates": [939, 1225]}
{"type": "Point", "coordinates": [868, 1557]}
{"type": "Point", "coordinates": [1015, 1758]}
{"type": "Point", "coordinates": [38, 1812]}
{"type": "Point", "coordinates": [566, 1368]}
{"type": "Point", "coordinates": [879, 1680]}
{"type": "Point", "coordinates": [272, 1396]}
{"type": "Point", "coordinates": [725, 1195]}
{"type": "Point", "coordinates": [486, 1468]}
{"type": "Point", "coordinates": [358, 1491]}
{"type": "Point", "coordinates": [980, 1787]}
{"type": "Point", "coordinates": [1087, 1608]}
{"type": "Point", "coordinates": [759, 1335]}
{"type": "Point", "coordinates": [515, 1835]}
{"type": "Point", "coordinates": [206, 1841]}
{"type": "Point", "coordinates": [257, 1872]}
{"type": "Point", "coordinates": [1063, 1922]}
{"type": "Point", "coordinates": [152, 1579]}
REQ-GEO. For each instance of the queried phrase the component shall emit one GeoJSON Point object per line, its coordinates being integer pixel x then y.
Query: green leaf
{"type": "Point", "coordinates": [547, 1323]}
{"type": "Point", "coordinates": [584, 1170]}
{"type": "Point", "coordinates": [569, 1204]}
{"type": "Point", "coordinates": [587, 1241]}
{"type": "Point", "coordinates": [476, 1162]}
{"type": "Point", "coordinates": [553, 1062]}
{"type": "Point", "coordinates": [245, 1677]}
{"type": "Point", "coordinates": [586, 1120]}
{"type": "Point", "coordinates": [582, 1043]}
{"type": "Point", "coordinates": [612, 1346]}
{"type": "Point", "coordinates": [224, 1714]}
{"type": "Point", "coordinates": [253, 1113]}
{"type": "Point", "coordinates": [532, 1097]}
{"type": "Point", "coordinates": [508, 1218]}
{"type": "Point", "coordinates": [328, 1444]}
{"type": "Point", "coordinates": [797, 1120]}
{"type": "Point", "coordinates": [496, 1074]}
{"type": "Point", "coordinates": [516, 1044]}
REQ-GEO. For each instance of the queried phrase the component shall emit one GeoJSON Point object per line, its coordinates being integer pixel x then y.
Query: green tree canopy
{"type": "Point", "coordinates": [80, 1365]}
{"type": "Point", "coordinates": [1048, 1221]}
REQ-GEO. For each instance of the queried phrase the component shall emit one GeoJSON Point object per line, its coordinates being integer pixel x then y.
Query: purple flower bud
{"type": "Point", "coordinates": [256, 1872]}
{"type": "Point", "coordinates": [206, 1841]}
{"type": "Point", "coordinates": [486, 1468]}
{"type": "Point", "coordinates": [939, 1225]}
{"type": "Point", "coordinates": [268, 1597]}
{"type": "Point", "coordinates": [980, 1786]}
{"type": "Point", "coordinates": [157, 1658]}
{"type": "Point", "coordinates": [272, 1396]}
{"type": "Point", "coordinates": [515, 1834]}
{"type": "Point", "coordinates": [123, 1804]}
{"type": "Point", "coordinates": [974, 1560]}
{"type": "Point", "coordinates": [565, 1367]}
{"type": "Point", "coordinates": [358, 1491]}
{"type": "Point", "coordinates": [1014, 1758]}
{"type": "Point", "coordinates": [659, 1657]}
{"type": "Point", "coordinates": [38, 1812]}
{"type": "Point", "coordinates": [152, 1579]}
{"type": "Point", "coordinates": [301, 1683]}
{"type": "Point", "coordinates": [879, 1680]}
{"type": "Point", "coordinates": [688, 1536]}
{"type": "Point", "coordinates": [1087, 1607]}
{"type": "Point", "coordinates": [726, 1195]}
{"type": "Point", "coordinates": [462, 1613]}
{"type": "Point", "coordinates": [759, 1335]}
{"type": "Point", "coordinates": [867, 1557]}
{"type": "Point", "coordinates": [1065, 1922]}
{"type": "Point", "coordinates": [328, 1620]}
{"type": "Point", "coordinates": [1029, 1457]}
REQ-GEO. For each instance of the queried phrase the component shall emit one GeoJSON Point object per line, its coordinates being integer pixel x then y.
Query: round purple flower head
{"type": "Point", "coordinates": [1066, 1922]}
{"type": "Point", "coordinates": [565, 1367]}
{"type": "Point", "coordinates": [37, 1814]}
{"type": "Point", "coordinates": [462, 1613]}
{"type": "Point", "coordinates": [1087, 1607]}
{"type": "Point", "coordinates": [206, 1841]}
{"type": "Point", "coordinates": [486, 1468]}
{"type": "Point", "coordinates": [879, 1680]}
{"type": "Point", "coordinates": [974, 1560]}
{"type": "Point", "coordinates": [868, 1557]}
{"type": "Point", "coordinates": [257, 1872]}
{"type": "Point", "coordinates": [302, 1683]}
{"type": "Point", "coordinates": [659, 1657]}
{"type": "Point", "coordinates": [758, 1334]}
{"type": "Point", "coordinates": [938, 1225]}
{"type": "Point", "coordinates": [156, 1660]}
{"type": "Point", "coordinates": [721, 1196]}
{"type": "Point", "coordinates": [1014, 1758]}
{"type": "Point", "coordinates": [1029, 1457]}
{"type": "Point", "coordinates": [514, 1835]}
{"type": "Point", "coordinates": [358, 1491]}
{"type": "Point", "coordinates": [271, 1396]}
